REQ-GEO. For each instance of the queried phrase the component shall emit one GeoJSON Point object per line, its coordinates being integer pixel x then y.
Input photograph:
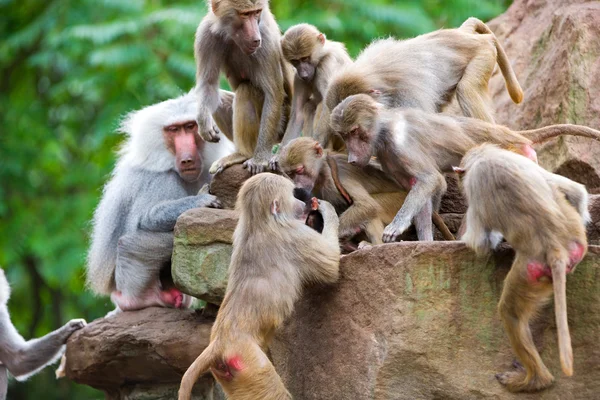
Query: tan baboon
{"type": "Point", "coordinates": [242, 39]}
{"type": "Point", "coordinates": [274, 254]}
{"type": "Point", "coordinates": [512, 197]}
{"type": "Point", "coordinates": [416, 148]}
{"type": "Point", "coordinates": [428, 71]}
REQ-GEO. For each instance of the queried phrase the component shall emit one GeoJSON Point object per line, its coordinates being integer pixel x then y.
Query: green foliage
{"type": "Point", "coordinates": [70, 70]}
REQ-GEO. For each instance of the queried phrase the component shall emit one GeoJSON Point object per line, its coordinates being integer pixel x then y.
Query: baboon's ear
{"type": "Point", "coordinates": [275, 207]}
{"type": "Point", "coordinates": [318, 149]}
{"type": "Point", "coordinates": [321, 38]}
{"type": "Point", "coordinates": [459, 170]}
{"type": "Point", "coordinates": [214, 5]}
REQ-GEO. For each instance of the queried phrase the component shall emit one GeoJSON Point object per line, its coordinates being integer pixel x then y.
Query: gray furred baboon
{"type": "Point", "coordinates": [158, 176]}
{"type": "Point", "coordinates": [241, 38]}
{"type": "Point", "coordinates": [510, 196]}
{"type": "Point", "coordinates": [316, 60]}
{"type": "Point", "coordinates": [428, 71]}
{"type": "Point", "coordinates": [25, 358]}
{"type": "Point", "coordinates": [274, 255]}
{"type": "Point", "coordinates": [416, 148]}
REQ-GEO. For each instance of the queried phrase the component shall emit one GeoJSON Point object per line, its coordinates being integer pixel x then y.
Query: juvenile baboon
{"type": "Point", "coordinates": [316, 60]}
{"type": "Point", "coordinates": [314, 218]}
{"type": "Point", "coordinates": [25, 358]}
{"type": "Point", "coordinates": [274, 254]}
{"type": "Point", "coordinates": [428, 71]}
{"type": "Point", "coordinates": [513, 197]}
{"type": "Point", "coordinates": [242, 39]}
{"type": "Point", "coordinates": [159, 173]}
{"type": "Point", "coordinates": [416, 148]}
{"type": "Point", "coordinates": [368, 198]}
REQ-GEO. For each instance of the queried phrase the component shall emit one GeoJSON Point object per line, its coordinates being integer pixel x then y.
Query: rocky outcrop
{"type": "Point", "coordinates": [554, 47]}
{"type": "Point", "coordinates": [202, 252]}
{"type": "Point", "coordinates": [418, 320]}
{"type": "Point", "coordinates": [226, 184]}
{"type": "Point", "coordinates": [140, 355]}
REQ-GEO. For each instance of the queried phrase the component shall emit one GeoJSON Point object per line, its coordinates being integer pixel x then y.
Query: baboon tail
{"type": "Point", "coordinates": [198, 367]}
{"type": "Point", "coordinates": [441, 225]}
{"type": "Point", "coordinates": [559, 282]}
{"type": "Point", "coordinates": [542, 134]}
{"type": "Point", "coordinates": [512, 84]}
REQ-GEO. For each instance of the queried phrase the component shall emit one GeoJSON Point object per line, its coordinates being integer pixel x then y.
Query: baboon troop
{"type": "Point", "coordinates": [343, 154]}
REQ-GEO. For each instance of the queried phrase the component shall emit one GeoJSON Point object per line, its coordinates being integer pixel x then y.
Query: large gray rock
{"type": "Point", "coordinates": [202, 252]}
{"type": "Point", "coordinates": [140, 355]}
{"type": "Point", "coordinates": [418, 320]}
{"type": "Point", "coordinates": [554, 46]}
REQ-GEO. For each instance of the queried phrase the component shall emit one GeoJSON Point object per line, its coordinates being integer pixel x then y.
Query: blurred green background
{"type": "Point", "coordinates": [69, 71]}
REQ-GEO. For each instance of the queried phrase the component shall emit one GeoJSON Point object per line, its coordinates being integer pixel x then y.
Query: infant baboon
{"type": "Point", "coordinates": [510, 196]}
{"type": "Point", "coordinates": [428, 71]}
{"type": "Point", "coordinates": [274, 254]}
{"type": "Point", "coordinates": [416, 148]}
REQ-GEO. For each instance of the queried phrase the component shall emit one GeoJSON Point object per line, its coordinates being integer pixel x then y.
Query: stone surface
{"type": "Point", "coordinates": [225, 185]}
{"type": "Point", "coordinates": [554, 48]}
{"type": "Point", "coordinates": [418, 320]}
{"type": "Point", "coordinates": [202, 252]}
{"type": "Point", "coordinates": [154, 347]}
{"type": "Point", "coordinates": [453, 201]}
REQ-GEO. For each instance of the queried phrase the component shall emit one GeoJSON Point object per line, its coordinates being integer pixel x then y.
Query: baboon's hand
{"type": "Point", "coordinates": [76, 324]}
{"type": "Point", "coordinates": [255, 165]}
{"type": "Point", "coordinates": [208, 200]}
{"type": "Point", "coordinates": [393, 231]}
{"type": "Point", "coordinates": [326, 209]}
{"type": "Point", "coordinates": [208, 130]}
{"type": "Point", "coordinates": [274, 163]}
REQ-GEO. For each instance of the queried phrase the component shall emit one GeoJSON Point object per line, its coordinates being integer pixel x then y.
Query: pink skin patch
{"type": "Point", "coordinates": [162, 298]}
{"type": "Point", "coordinates": [530, 153]}
{"type": "Point", "coordinates": [575, 255]}
{"type": "Point", "coordinates": [412, 181]}
{"type": "Point", "coordinates": [536, 270]}
{"type": "Point", "coordinates": [172, 297]}
{"type": "Point", "coordinates": [236, 363]}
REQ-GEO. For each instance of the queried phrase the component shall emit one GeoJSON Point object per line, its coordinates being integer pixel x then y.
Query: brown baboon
{"type": "Point", "coordinates": [416, 148]}
{"type": "Point", "coordinates": [274, 254]}
{"type": "Point", "coordinates": [510, 196]}
{"type": "Point", "coordinates": [242, 39]}
{"type": "Point", "coordinates": [316, 60]}
{"type": "Point", "coordinates": [428, 71]}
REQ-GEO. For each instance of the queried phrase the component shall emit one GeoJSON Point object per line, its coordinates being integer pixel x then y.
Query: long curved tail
{"type": "Point", "coordinates": [559, 283]}
{"type": "Point", "coordinates": [548, 132]}
{"type": "Point", "coordinates": [512, 84]}
{"type": "Point", "coordinates": [198, 367]}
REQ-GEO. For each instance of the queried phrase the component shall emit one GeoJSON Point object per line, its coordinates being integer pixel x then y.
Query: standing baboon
{"type": "Point", "coordinates": [274, 254]}
{"type": "Point", "coordinates": [25, 358]}
{"type": "Point", "coordinates": [416, 148]}
{"type": "Point", "coordinates": [159, 173]}
{"type": "Point", "coordinates": [510, 196]}
{"type": "Point", "coordinates": [316, 60]}
{"type": "Point", "coordinates": [242, 39]}
{"type": "Point", "coordinates": [428, 71]}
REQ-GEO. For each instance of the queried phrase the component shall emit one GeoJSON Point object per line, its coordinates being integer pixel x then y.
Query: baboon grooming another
{"type": "Point", "coordinates": [242, 39]}
{"type": "Point", "coordinates": [511, 196]}
{"type": "Point", "coordinates": [416, 148]}
{"type": "Point", "coordinates": [25, 358]}
{"type": "Point", "coordinates": [274, 254]}
{"type": "Point", "coordinates": [316, 60]}
{"type": "Point", "coordinates": [426, 72]}
{"type": "Point", "coordinates": [159, 173]}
